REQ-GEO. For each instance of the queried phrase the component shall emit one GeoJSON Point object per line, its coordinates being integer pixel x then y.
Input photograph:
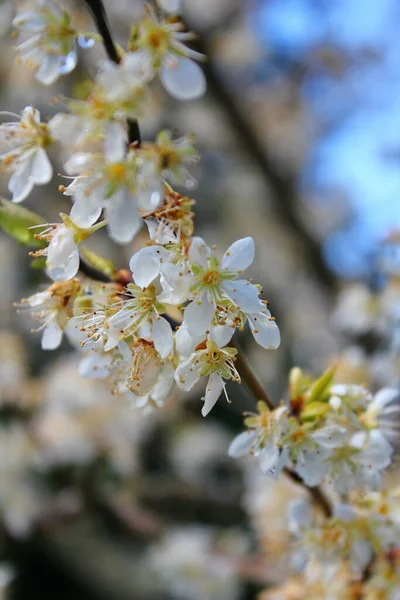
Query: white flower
{"type": "Point", "coordinates": [263, 439]}
{"type": "Point", "coordinates": [360, 463]}
{"type": "Point", "coordinates": [310, 448]}
{"type": "Point", "coordinates": [22, 152]}
{"type": "Point", "coordinates": [383, 411]}
{"type": "Point", "coordinates": [52, 49]}
{"type": "Point", "coordinates": [212, 361]}
{"type": "Point", "coordinates": [159, 392]}
{"type": "Point", "coordinates": [171, 159]}
{"type": "Point", "coordinates": [214, 284]}
{"type": "Point", "coordinates": [163, 42]}
{"type": "Point", "coordinates": [107, 181]}
{"type": "Point", "coordinates": [121, 83]}
{"type": "Point", "coordinates": [139, 314]}
{"type": "Point", "coordinates": [52, 309]}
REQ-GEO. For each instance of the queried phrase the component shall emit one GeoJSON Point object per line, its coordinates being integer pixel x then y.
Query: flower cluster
{"type": "Point", "coordinates": [128, 336]}
{"type": "Point", "coordinates": [328, 432]}
{"type": "Point", "coordinates": [353, 535]}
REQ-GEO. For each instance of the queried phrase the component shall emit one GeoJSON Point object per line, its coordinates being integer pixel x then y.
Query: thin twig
{"type": "Point", "coordinates": [250, 378]}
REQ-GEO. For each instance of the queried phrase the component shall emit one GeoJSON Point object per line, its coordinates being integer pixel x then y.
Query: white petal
{"type": "Point", "coordinates": [186, 375]}
{"type": "Point", "coordinates": [242, 444]}
{"type": "Point", "coordinates": [79, 162]}
{"type": "Point", "coordinates": [265, 330]}
{"type": "Point", "coordinates": [312, 466]}
{"type": "Point", "coordinates": [66, 128]}
{"type": "Point", "coordinates": [95, 365]}
{"type": "Point", "coordinates": [244, 294]}
{"type": "Point", "coordinates": [52, 336]}
{"type": "Point", "coordinates": [239, 255]}
{"type": "Point", "coordinates": [115, 143]}
{"type": "Point", "coordinates": [384, 397]}
{"type": "Point", "coordinates": [170, 6]}
{"type": "Point", "coordinates": [162, 337]}
{"type": "Point", "coordinates": [42, 170]}
{"type": "Point", "coordinates": [269, 455]}
{"type": "Point", "coordinates": [198, 316]}
{"type": "Point", "coordinates": [221, 334]}
{"type": "Point", "coordinates": [375, 450]}
{"type": "Point", "coordinates": [49, 70]}
{"type": "Point", "coordinates": [183, 79]}
{"type": "Point", "coordinates": [164, 384]}
{"type": "Point", "coordinates": [30, 21]}
{"type": "Point", "coordinates": [66, 271]}
{"type": "Point", "coordinates": [122, 217]}
{"type": "Point", "coordinates": [330, 436]}
{"type": "Point", "coordinates": [21, 184]}
{"type": "Point", "coordinates": [146, 263]}
{"type": "Point", "coordinates": [160, 232]}
{"type": "Point", "coordinates": [199, 252]}
{"type": "Point", "coordinates": [175, 283]}
{"type": "Point", "coordinates": [214, 388]}
{"type": "Point", "coordinates": [62, 246]}
{"type": "Point", "coordinates": [85, 211]}
{"type": "Point", "coordinates": [185, 342]}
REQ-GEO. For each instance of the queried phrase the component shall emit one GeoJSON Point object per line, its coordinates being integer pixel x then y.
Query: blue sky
{"type": "Point", "coordinates": [354, 156]}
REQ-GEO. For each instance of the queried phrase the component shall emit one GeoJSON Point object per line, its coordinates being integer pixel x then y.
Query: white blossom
{"type": "Point", "coordinates": [52, 49]}
{"type": "Point", "coordinates": [23, 144]}
{"type": "Point", "coordinates": [213, 362]}
{"type": "Point", "coordinates": [263, 439]}
{"type": "Point", "coordinates": [163, 42]}
{"type": "Point", "coordinates": [52, 309]}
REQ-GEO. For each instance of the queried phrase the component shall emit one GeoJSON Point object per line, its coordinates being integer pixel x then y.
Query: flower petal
{"type": "Point", "coordinates": [244, 294]}
{"type": "Point", "coordinates": [146, 264]}
{"type": "Point", "coordinates": [162, 337]}
{"type": "Point", "coordinates": [85, 211]}
{"type": "Point", "coordinates": [199, 252]}
{"type": "Point", "coordinates": [214, 388]}
{"type": "Point", "coordinates": [242, 444]}
{"type": "Point", "coordinates": [265, 330]}
{"type": "Point", "coordinates": [198, 316]}
{"type": "Point", "coordinates": [52, 335]}
{"type": "Point", "coordinates": [122, 217]}
{"type": "Point", "coordinates": [186, 375]}
{"type": "Point", "coordinates": [182, 78]}
{"type": "Point", "coordinates": [115, 143]}
{"type": "Point", "coordinates": [42, 171]}
{"type": "Point", "coordinates": [239, 255]}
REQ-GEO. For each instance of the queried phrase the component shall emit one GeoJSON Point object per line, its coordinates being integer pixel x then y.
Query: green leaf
{"type": "Point", "coordinates": [17, 220]}
{"type": "Point", "coordinates": [98, 262]}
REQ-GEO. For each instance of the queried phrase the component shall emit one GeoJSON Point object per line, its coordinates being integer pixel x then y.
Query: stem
{"type": "Point", "coordinates": [100, 18]}
{"type": "Point", "coordinates": [250, 378]}
{"type": "Point", "coordinates": [256, 388]}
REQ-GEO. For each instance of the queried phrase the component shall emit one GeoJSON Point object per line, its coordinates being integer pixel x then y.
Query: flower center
{"type": "Point", "coordinates": [212, 278]}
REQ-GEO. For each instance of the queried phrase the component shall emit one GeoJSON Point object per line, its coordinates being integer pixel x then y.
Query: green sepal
{"type": "Point", "coordinates": [38, 263]}
{"type": "Point", "coordinates": [319, 388]}
{"type": "Point", "coordinates": [315, 410]}
{"type": "Point", "coordinates": [18, 221]}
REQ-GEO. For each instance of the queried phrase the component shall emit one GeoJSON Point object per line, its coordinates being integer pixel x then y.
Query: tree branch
{"type": "Point", "coordinates": [103, 27]}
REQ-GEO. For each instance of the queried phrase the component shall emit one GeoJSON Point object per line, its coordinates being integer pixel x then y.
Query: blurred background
{"type": "Point", "coordinates": [300, 140]}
